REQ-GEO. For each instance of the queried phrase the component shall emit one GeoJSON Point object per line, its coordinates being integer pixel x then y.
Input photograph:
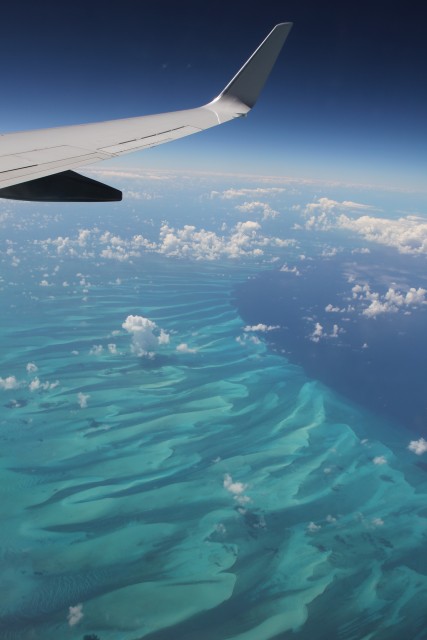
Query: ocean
{"type": "Point", "coordinates": [214, 490]}
{"type": "Point", "coordinates": [206, 403]}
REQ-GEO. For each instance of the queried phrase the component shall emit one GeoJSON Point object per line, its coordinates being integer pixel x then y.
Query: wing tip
{"type": "Point", "coordinates": [247, 84]}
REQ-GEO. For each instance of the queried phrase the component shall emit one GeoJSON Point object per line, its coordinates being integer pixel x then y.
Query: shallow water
{"type": "Point", "coordinates": [216, 494]}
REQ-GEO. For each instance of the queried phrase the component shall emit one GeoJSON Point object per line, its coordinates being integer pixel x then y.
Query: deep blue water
{"type": "Point", "coordinates": [389, 377]}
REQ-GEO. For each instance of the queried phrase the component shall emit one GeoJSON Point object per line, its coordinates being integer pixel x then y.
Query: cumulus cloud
{"type": "Point", "coordinates": [146, 336]}
{"type": "Point", "coordinates": [37, 385]}
{"type": "Point", "coordinates": [407, 234]}
{"type": "Point", "coordinates": [418, 446]}
{"type": "Point", "coordinates": [323, 213]}
{"type": "Point", "coordinates": [380, 460]}
{"type": "Point", "coordinates": [236, 489]}
{"type": "Point", "coordinates": [246, 339]}
{"type": "Point", "coordinates": [377, 522]}
{"type": "Point", "coordinates": [261, 327]}
{"type": "Point", "coordinates": [258, 207]}
{"type": "Point", "coordinates": [31, 367]}
{"type": "Point", "coordinates": [96, 350]}
{"type": "Point", "coordinates": [82, 399]}
{"type": "Point", "coordinates": [9, 383]}
{"type": "Point", "coordinates": [233, 487]}
{"type": "Point", "coordinates": [317, 332]}
{"type": "Point", "coordinates": [285, 268]}
{"type": "Point", "coordinates": [313, 528]}
{"type": "Point", "coordinates": [75, 614]}
{"type": "Point", "coordinates": [243, 240]}
{"type": "Point", "coordinates": [391, 302]}
{"type": "Point", "coordinates": [184, 348]}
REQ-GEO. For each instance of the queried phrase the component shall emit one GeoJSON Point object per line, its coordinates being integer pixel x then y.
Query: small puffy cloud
{"type": "Point", "coordinates": [37, 385]}
{"type": "Point", "coordinates": [286, 269]}
{"type": "Point", "coordinates": [261, 327]}
{"type": "Point", "coordinates": [313, 528]}
{"type": "Point", "coordinates": [82, 399]}
{"type": "Point", "coordinates": [236, 488]}
{"type": "Point", "coordinates": [380, 460]}
{"type": "Point", "coordinates": [258, 207]}
{"type": "Point", "coordinates": [246, 339]}
{"type": "Point", "coordinates": [9, 383]}
{"type": "Point", "coordinates": [335, 331]}
{"type": "Point", "coordinates": [391, 301]}
{"type": "Point", "coordinates": [146, 335]}
{"type": "Point", "coordinates": [418, 446]}
{"type": "Point", "coordinates": [112, 348]}
{"type": "Point", "coordinates": [377, 522]}
{"type": "Point", "coordinates": [317, 332]}
{"type": "Point", "coordinates": [96, 350]}
{"type": "Point", "coordinates": [31, 367]}
{"type": "Point", "coordinates": [75, 614]}
{"type": "Point", "coordinates": [184, 348]}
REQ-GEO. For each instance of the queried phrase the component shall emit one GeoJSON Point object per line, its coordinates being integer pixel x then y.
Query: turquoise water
{"type": "Point", "coordinates": [216, 493]}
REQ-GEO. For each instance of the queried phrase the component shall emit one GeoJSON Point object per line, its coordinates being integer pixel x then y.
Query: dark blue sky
{"type": "Point", "coordinates": [347, 100]}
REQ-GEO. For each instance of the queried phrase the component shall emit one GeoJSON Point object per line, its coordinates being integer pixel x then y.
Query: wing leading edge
{"type": "Point", "coordinates": [37, 165]}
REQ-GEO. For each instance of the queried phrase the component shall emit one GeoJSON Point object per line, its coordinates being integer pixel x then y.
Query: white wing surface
{"type": "Point", "coordinates": [38, 165]}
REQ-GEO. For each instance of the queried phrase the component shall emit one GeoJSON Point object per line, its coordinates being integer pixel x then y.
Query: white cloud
{"type": "Point", "coordinates": [96, 350]}
{"type": "Point", "coordinates": [82, 399]}
{"type": "Point", "coordinates": [37, 385]}
{"type": "Point", "coordinates": [230, 194]}
{"type": "Point", "coordinates": [285, 268]}
{"type": "Point", "coordinates": [377, 522]}
{"type": "Point", "coordinates": [243, 240]}
{"type": "Point", "coordinates": [335, 331]}
{"type": "Point", "coordinates": [112, 348]}
{"type": "Point", "coordinates": [391, 302]}
{"type": "Point", "coordinates": [317, 332]}
{"type": "Point", "coordinates": [313, 528]}
{"type": "Point", "coordinates": [31, 367]}
{"type": "Point", "coordinates": [258, 207]}
{"type": "Point", "coordinates": [323, 213]}
{"type": "Point", "coordinates": [236, 489]}
{"type": "Point", "coordinates": [75, 614]}
{"type": "Point", "coordinates": [418, 446]}
{"type": "Point", "coordinates": [380, 460]}
{"type": "Point", "coordinates": [184, 348]}
{"type": "Point", "coordinates": [407, 234]}
{"type": "Point", "coordinates": [245, 339]}
{"type": "Point", "coordinates": [9, 383]}
{"type": "Point", "coordinates": [261, 327]}
{"type": "Point", "coordinates": [146, 335]}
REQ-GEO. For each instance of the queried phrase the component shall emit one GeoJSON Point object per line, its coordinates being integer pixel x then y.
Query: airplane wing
{"type": "Point", "coordinates": [38, 165]}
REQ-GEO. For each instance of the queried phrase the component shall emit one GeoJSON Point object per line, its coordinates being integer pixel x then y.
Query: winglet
{"type": "Point", "coordinates": [247, 84]}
